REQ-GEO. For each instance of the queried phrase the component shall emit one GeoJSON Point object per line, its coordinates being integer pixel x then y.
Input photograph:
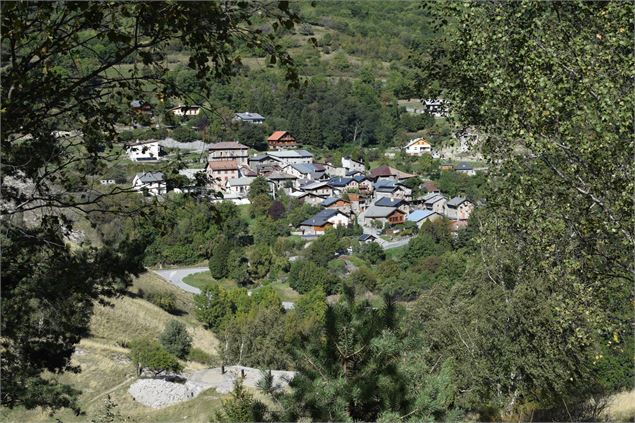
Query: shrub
{"type": "Point", "coordinates": [200, 356]}
{"type": "Point", "coordinates": [175, 339]}
{"type": "Point", "coordinates": [150, 356]}
{"type": "Point", "coordinates": [164, 300]}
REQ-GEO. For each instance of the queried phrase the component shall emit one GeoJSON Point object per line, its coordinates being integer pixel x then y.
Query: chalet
{"type": "Point", "coordinates": [141, 107]}
{"type": "Point", "coordinates": [229, 150]}
{"type": "Point", "coordinates": [323, 220]}
{"type": "Point", "coordinates": [435, 202]}
{"type": "Point", "coordinates": [286, 157]}
{"type": "Point", "coordinates": [308, 197]}
{"type": "Point", "coordinates": [465, 169]}
{"type": "Point", "coordinates": [337, 203]}
{"type": "Point", "coordinates": [383, 215]}
{"type": "Point", "coordinates": [151, 183]}
{"type": "Point", "coordinates": [349, 164]}
{"type": "Point", "coordinates": [418, 147]}
{"type": "Point", "coordinates": [185, 111]}
{"type": "Point", "coordinates": [318, 188]}
{"type": "Point", "coordinates": [281, 139]}
{"type": "Point", "coordinates": [144, 151]}
{"type": "Point", "coordinates": [393, 202]}
{"type": "Point", "coordinates": [248, 117]}
{"type": "Point", "coordinates": [343, 184]}
{"type": "Point", "coordinates": [390, 173]}
{"type": "Point", "coordinates": [445, 167]}
{"type": "Point", "coordinates": [458, 208]}
{"type": "Point", "coordinates": [392, 189]}
{"type": "Point", "coordinates": [421, 216]}
{"type": "Point", "coordinates": [239, 186]}
{"type": "Point", "coordinates": [333, 171]}
{"type": "Point", "coordinates": [363, 184]}
{"type": "Point", "coordinates": [366, 238]}
{"type": "Point", "coordinates": [359, 203]}
{"type": "Point", "coordinates": [220, 171]}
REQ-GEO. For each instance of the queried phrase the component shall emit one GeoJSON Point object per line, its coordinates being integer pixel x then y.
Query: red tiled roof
{"type": "Point", "coordinates": [277, 135]}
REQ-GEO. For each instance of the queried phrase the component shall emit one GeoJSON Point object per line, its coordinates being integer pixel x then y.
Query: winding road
{"type": "Point", "coordinates": [175, 277]}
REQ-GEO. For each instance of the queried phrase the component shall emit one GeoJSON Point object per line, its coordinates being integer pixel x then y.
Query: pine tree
{"type": "Point", "coordinates": [175, 339]}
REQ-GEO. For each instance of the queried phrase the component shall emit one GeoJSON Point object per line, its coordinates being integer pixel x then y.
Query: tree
{"type": "Point", "coordinates": [241, 407]}
{"type": "Point", "coordinates": [175, 339]}
{"type": "Point", "coordinates": [150, 356]}
{"type": "Point", "coordinates": [185, 134]}
{"type": "Point", "coordinates": [349, 371]}
{"type": "Point", "coordinates": [218, 262]}
{"type": "Point", "coordinates": [57, 75]}
{"type": "Point", "coordinates": [259, 186]}
{"type": "Point", "coordinates": [371, 252]}
{"type": "Point", "coordinates": [212, 306]}
{"type": "Point", "coordinates": [306, 275]}
{"type": "Point", "coordinates": [259, 261]}
{"type": "Point", "coordinates": [560, 178]}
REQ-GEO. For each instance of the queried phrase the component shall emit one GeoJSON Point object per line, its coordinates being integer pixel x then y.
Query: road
{"type": "Point", "coordinates": [175, 277]}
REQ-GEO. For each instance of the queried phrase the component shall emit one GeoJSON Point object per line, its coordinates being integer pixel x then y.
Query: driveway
{"type": "Point", "coordinates": [175, 277]}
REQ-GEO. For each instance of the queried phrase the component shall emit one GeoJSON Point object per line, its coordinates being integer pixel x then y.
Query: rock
{"type": "Point", "coordinates": [158, 393]}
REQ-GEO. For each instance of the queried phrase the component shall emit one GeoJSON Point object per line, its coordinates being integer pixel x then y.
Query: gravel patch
{"type": "Point", "coordinates": [158, 393]}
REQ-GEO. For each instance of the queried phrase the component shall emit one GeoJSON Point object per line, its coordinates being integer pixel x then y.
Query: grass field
{"type": "Point", "coordinates": [106, 369]}
{"type": "Point", "coordinates": [203, 279]}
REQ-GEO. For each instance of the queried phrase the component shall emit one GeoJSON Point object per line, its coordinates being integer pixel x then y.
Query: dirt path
{"type": "Point", "coordinates": [125, 382]}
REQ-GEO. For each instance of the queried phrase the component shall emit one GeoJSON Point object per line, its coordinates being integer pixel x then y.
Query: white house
{"type": "Point", "coordinates": [186, 111]}
{"type": "Point", "coordinates": [144, 151]}
{"type": "Point", "coordinates": [150, 182]}
{"type": "Point", "coordinates": [248, 117]}
{"type": "Point", "coordinates": [465, 169]}
{"type": "Point", "coordinates": [239, 186]}
{"type": "Point", "coordinates": [349, 164]}
{"type": "Point", "coordinates": [418, 147]}
{"type": "Point", "coordinates": [323, 220]}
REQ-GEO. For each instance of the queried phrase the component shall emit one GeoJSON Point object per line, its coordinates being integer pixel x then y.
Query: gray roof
{"type": "Point", "coordinates": [249, 116]}
{"type": "Point", "coordinates": [376, 211]}
{"type": "Point", "coordinates": [314, 185]}
{"type": "Point", "coordinates": [366, 237]}
{"type": "Point", "coordinates": [456, 201]}
{"type": "Point", "coordinates": [433, 199]}
{"type": "Point", "coordinates": [149, 177]}
{"type": "Point", "coordinates": [305, 168]}
{"type": "Point", "coordinates": [243, 181]}
{"type": "Point", "coordinates": [463, 166]}
{"type": "Point", "coordinates": [289, 154]}
{"type": "Point", "coordinates": [321, 218]}
{"type": "Point", "coordinates": [388, 202]}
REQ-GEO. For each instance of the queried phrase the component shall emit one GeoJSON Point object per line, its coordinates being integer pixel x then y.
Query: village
{"type": "Point", "coordinates": [379, 199]}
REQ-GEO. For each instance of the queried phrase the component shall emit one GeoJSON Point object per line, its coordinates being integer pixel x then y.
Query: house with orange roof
{"type": "Point", "coordinates": [418, 147]}
{"type": "Point", "coordinates": [281, 139]}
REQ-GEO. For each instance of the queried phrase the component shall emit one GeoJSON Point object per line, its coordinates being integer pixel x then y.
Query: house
{"type": "Point", "coordinates": [435, 202]}
{"type": "Point", "coordinates": [249, 117]}
{"type": "Point", "coordinates": [421, 216]}
{"type": "Point", "coordinates": [393, 202]}
{"type": "Point", "coordinates": [141, 107]}
{"type": "Point", "coordinates": [229, 150]}
{"type": "Point", "coordinates": [281, 139]}
{"type": "Point", "coordinates": [389, 172]}
{"type": "Point", "coordinates": [304, 171]}
{"type": "Point", "coordinates": [144, 151]}
{"type": "Point", "coordinates": [465, 169]}
{"type": "Point", "coordinates": [392, 189]}
{"type": "Point", "coordinates": [359, 203]}
{"type": "Point", "coordinates": [287, 157]}
{"type": "Point", "coordinates": [185, 111]}
{"type": "Point", "coordinates": [418, 147]}
{"type": "Point", "coordinates": [337, 203]}
{"type": "Point", "coordinates": [333, 171]}
{"type": "Point", "coordinates": [383, 215]}
{"type": "Point", "coordinates": [431, 188]}
{"type": "Point", "coordinates": [239, 186]}
{"type": "Point", "coordinates": [220, 171]}
{"type": "Point", "coordinates": [349, 164]}
{"type": "Point", "coordinates": [363, 184]}
{"type": "Point", "coordinates": [323, 220]}
{"type": "Point", "coordinates": [308, 197]}
{"type": "Point", "coordinates": [435, 107]}
{"type": "Point", "coordinates": [366, 238]}
{"type": "Point", "coordinates": [458, 208]}
{"type": "Point", "coordinates": [318, 188]}
{"type": "Point", "coordinates": [444, 167]}
{"type": "Point", "coordinates": [281, 180]}
{"type": "Point", "coordinates": [342, 184]}
{"type": "Point", "coordinates": [151, 182]}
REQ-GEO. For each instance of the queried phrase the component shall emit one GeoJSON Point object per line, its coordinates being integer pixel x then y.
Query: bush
{"type": "Point", "coordinates": [164, 300]}
{"type": "Point", "coordinates": [200, 356]}
{"type": "Point", "coordinates": [185, 134]}
{"type": "Point", "coordinates": [150, 356]}
{"type": "Point", "coordinates": [372, 252]}
{"type": "Point", "coordinates": [175, 339]}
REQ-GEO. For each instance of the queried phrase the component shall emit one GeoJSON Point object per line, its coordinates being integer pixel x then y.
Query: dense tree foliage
{"type": "Point", "coordinates": [175, 339]}
{"type": "Point", "coordinates": [150, 356]}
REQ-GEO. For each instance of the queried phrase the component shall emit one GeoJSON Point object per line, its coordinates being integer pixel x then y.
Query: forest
{"type": "Point", "coordinates": [525, 315]}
